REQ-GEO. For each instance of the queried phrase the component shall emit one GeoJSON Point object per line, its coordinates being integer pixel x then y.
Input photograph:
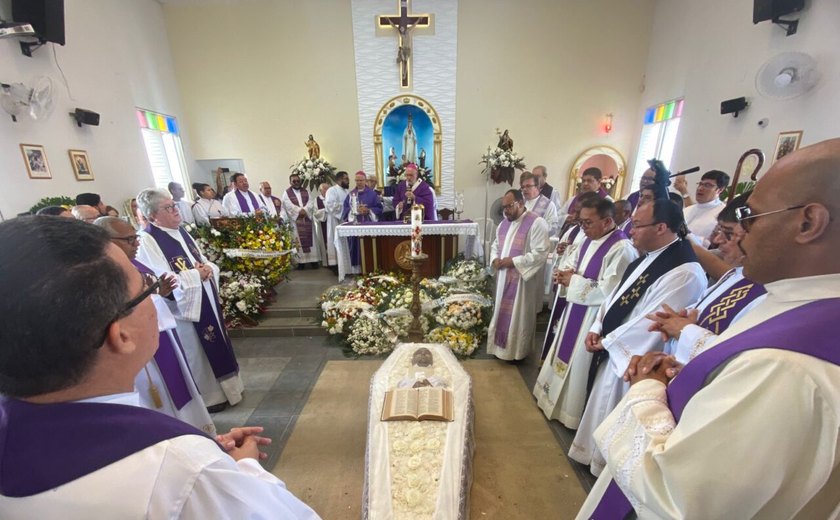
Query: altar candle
{"type": "Point", "coordinates": [354, 205]}
{"type": "Point", "coordinates": [416, 230]}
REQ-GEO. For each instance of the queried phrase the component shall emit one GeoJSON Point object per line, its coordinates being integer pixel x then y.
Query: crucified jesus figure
{"type": "Point", "coordinates": [404, 50]}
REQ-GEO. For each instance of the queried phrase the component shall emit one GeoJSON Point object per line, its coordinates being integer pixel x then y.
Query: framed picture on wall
{"type": "Point", "coordinates": [81, 165]}
{"type": "Point", "coordinates": [35, 158]}
{"type": "Point", "coordinates": [787, 142]}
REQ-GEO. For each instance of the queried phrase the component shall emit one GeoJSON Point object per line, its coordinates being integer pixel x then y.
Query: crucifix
{"type": "Point", "coordinates": [403, 23]}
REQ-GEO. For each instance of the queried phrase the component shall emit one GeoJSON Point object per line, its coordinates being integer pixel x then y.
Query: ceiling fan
{"type": "Point", "coordinates": [37, 102]}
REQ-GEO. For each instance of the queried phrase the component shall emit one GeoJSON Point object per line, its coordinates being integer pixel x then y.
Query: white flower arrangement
{"type": "Point", "coordinates": [367, 336]}
{"type": "Point", "coordinates": [314, 171]}
{"type": "Point", "coordinates": [242, 299]}
{"type": "Point", "coordinates": [461, 315]}
{"type": "Point", "coordinates": [498, 158]}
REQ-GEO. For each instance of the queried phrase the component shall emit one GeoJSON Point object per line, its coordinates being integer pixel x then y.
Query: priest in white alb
{"type": "Point", "coordinates": [242, 201]}
{"type": "Point", "coordinates": [300, 207]}
{"type": "Point", "coordinates": [750, 427]}
{"type": "Point", "coordinates": [596, 270]}
{"type": "Point", "coordinates": [667, 274]}
{"type": "Point", "coordinates": [701, 216]}
{"type": "Point", "coordinates": [334, 205]}
{"type": "Point", "coordinates": [164, 247]}
{"type": "Point", "coordinates": [518, 256]}
{"type": "Point", "coordinates": [537, 203]}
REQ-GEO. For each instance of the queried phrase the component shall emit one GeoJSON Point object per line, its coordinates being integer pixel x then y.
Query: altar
{"type": "Point", "coordinates": [384, 244]}
{"type": "Point", "coordinates": [419, 469]}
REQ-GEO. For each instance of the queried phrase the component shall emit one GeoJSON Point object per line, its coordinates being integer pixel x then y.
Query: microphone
{"type": "Point", "coordinates": [686, 172]}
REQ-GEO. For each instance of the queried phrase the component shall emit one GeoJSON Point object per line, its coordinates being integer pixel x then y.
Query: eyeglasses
{"type": "Point", "coordinates": [707, 185]}
{"type": "Point", "coordinates": [509, 206]}
{"type": "Point", "coordinates": [587, 222]}
{"type": "Point", "coordinates": [640, 226]}
{"type": "Point", "coordinates": [171, 208]}
{"type": "Point", "coordinates": [151, 284]}
{"type": "Point", "coordinates": [526, 186]}
{"type": "Point", "coordinates": [727, 234]}
{"type": "Point", "coordinates": [745, 216]}
{"type": "Point", "coordinates": [131, 239]}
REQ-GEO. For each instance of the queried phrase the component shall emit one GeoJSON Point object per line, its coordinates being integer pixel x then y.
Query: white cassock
{"type": "Point", "coordinates": [530, 266]}
{"type": "Point", "coordinates": [193, 412]}
{"type": "Point", "coordinates": [561, 389]}
{"type": "Point", "coordinates": [292, 210]}
{"type": "Point", "coordinates": [694, 339]}
{"type": "Point", "coordinates": [187, 308]}
{"type": "Point", "coordinates": [679, 288]}
{"type": "Point", "coordinates": [185, 209]}
{"type": "Point", "coordinates": [203, 210]}
{"type": "Point", "coordinates": [760, 440]}
{"type": "Point", "coordinates": [187, 477]}
{"type": "Point", "coordinates": [231, 204]}
{"type": "Point", "coordinates": [334, 205]}
{"type": "Point", "coordinates": [701, 219]}
{"type": "Point", "coordinates": [561, 262]}
{"type": "Point", "coordinates": [319, 216]}
{"type": "Point", "coordinates": [549, 213]}
{"type": "Point", "coordinates": [267, 204]}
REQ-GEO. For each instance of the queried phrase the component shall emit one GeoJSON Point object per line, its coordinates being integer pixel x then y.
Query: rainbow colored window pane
{"type": "Point", "coordinates": [664, 112]}
{"type": "Point", "coordinates": [155, 121]}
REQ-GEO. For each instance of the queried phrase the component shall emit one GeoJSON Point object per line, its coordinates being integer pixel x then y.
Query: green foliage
{"type": "Point", "coordinates": [52, 201]}
{"type": "Point", "coordinates": [739, 189]}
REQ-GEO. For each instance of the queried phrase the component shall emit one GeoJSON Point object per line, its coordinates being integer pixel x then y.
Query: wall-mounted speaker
{"type": "Point", "coordinates": [85, 117]}
{"type": "Point", "coordinates": [733, 106]}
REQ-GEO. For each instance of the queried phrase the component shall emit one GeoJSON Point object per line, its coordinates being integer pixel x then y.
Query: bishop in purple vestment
{"type": "Point", "coordinates": [369, 210]}
{"type": "Point", "coordinates": [414, 191]}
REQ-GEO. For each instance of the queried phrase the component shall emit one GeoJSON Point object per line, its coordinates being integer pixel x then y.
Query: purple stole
{"type": "Point", "coordinates": [517, 248]}
{"type": "Point", "coordinates": [319, 202]}
{"type": "Point", "coordinates": [558, 308]}
{"type": "Point", "coordinates": [167, 361]}
{"type": "Point", "coordinates": [43, 446]}
{"type": "Point", "coordinates": [806, 329]}
{"type": "Point", "coordinates": [541, 205]}
{"type": "Point", "coordinates": [243, 205]}
{"type": "Point", "coordinates": [633, 199]}
{"type": "Point", "coordinates": [718, 315]}
{"type": "Point", "coordinates": [304, 225]}
{"type": "Point", "coordinates": [211, 333]}
{"type": "Point", "coordinates": [627, 226]}
{"type": "Point", "coordinates": [577, 311]}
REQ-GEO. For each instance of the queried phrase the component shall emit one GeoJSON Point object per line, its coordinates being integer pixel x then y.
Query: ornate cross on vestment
{"type": "Point", "coordinates": [404, 23]}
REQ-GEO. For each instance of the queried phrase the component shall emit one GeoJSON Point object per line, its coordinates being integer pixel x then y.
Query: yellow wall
{"type": "Point", "coordinates": [549, 71]}
{"type": "Point", "coordinates": [257, 77]}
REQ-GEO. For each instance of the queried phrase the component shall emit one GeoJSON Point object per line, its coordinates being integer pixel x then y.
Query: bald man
{"type": "Point", "coordinates": [85, 213]}
{"type": "Point", "coordinates": [762, 404]}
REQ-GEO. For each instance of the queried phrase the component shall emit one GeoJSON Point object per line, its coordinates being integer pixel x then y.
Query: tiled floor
{"type": "Point", "coordinates": [279, 373]}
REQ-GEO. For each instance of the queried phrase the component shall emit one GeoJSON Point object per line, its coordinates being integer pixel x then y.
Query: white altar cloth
{"type": "Point", "coordinates": [471, 246]}
{"type": "Point", "coordinates": [419, 469]}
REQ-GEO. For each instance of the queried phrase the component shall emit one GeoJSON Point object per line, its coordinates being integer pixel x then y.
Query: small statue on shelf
{"type": "Point", "coordinates": [313, 147]}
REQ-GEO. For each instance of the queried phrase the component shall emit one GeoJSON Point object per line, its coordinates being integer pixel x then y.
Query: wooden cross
{"type": "Point", "coordinates": [403, 23]}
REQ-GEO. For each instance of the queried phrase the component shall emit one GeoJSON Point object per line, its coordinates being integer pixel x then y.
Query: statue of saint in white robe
{"type": "Point", "coordinates": [561, 388]}
{"type": "Point", "coordinates": [530, 266]}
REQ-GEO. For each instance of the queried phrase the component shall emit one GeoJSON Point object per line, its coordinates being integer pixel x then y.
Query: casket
{"type": "Point", "coordinates": [419, 469]}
